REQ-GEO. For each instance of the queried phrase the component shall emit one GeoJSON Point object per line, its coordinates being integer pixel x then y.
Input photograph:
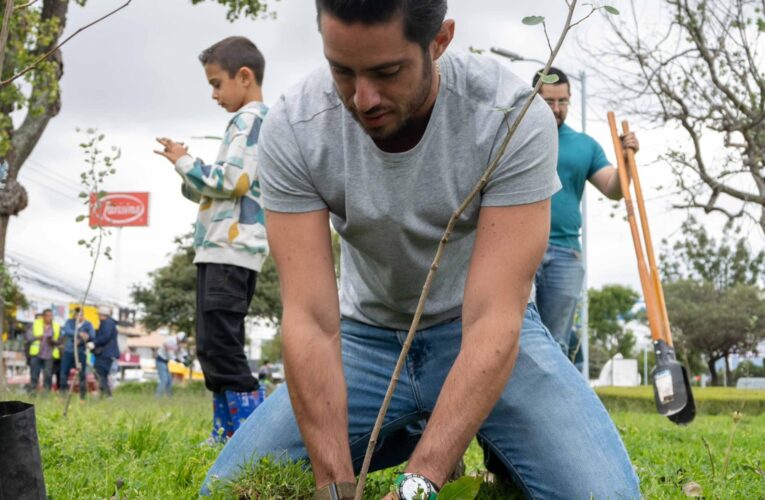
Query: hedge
{"type": "Point", "coordinates": [709, 400]}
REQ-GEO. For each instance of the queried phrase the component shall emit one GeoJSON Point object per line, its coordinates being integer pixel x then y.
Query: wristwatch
{"type": "Point", "coordinates": [415, 487]}
{"type": "Point", "coordinates": [336, 491]}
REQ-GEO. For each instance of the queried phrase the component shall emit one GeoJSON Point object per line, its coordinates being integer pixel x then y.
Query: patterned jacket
{"type": "Point", "coordinates": [230, 226]}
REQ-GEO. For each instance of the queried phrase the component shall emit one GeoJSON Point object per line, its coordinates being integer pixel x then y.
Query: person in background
{"type": "Point", "coordinates": [43, 341]}
{"type": "Point", "coordinates": [170, 350]}
{"type": "Point", "coordinates": [105, 349]}
{"type": "Point", "coordinates": [560, 276]}
{"type": "Point", "coordinates": [84, 334]}
{"type": "Point", "coordinates": [230, 235]}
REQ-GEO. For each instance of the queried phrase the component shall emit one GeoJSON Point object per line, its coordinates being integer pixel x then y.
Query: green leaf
{"type": "Point", "coordinates": [464, 488]}
{"type": "Point", "coordinates": [548, 78]}
{"type": "Point", "coordinates": [761, 25]}
{"type": "Point", "coordinates": [83, 194]}
{"type": "Point", "coordinates": [611, 10]}
{"type": "Point", "coordinates": [80, 218]}
{"type": "Point", "coordinates": [81, 242]}
{"type": "Point", "coordinates": [533, 20]}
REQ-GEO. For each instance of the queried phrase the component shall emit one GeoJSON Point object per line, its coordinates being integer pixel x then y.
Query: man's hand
{"type": "Point", "coordinates": [83, 336]}
{"type": "Point", "coordinates": [173, 150]}
{"type": "Point", "coordinates": [607, 179]}
{"type": "Point", "coordinates": [630, 141]}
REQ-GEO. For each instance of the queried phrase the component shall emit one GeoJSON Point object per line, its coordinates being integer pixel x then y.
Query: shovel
{"type": "Point", "coordinates": [671, 384]}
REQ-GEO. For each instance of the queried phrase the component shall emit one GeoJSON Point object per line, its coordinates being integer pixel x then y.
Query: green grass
{"type": "Point", "coordinates": [151, 450]}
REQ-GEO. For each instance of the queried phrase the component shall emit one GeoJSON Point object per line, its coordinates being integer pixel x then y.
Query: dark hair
{"type": "Point", "coordinates": [233, 53]}
{"type": "Point", "coordinates": [422, 18]}
{"type": "Point", "coordinates": [76, 310]}
{"type": "Point", "coordinates": [562, 78]}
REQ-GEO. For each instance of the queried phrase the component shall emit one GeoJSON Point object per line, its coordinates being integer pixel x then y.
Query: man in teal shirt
{"type": "Point", "coordinates": [580, 158]}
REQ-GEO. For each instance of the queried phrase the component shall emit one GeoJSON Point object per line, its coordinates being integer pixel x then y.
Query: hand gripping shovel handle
{"type": "Point", "coordinates": [654, 271]}
{"type": "Point", "coordinates": [649, 293]}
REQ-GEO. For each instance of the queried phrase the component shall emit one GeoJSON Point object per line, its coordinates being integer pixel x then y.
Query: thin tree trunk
{"type": "Point", "coordinates": [3, 381]}
{"type": "Point", "coordinates": [728, 375]}
{"type": "Point", "coordinates": [712, 371]}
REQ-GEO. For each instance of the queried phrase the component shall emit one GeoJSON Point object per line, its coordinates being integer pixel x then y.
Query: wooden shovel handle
{"type": "Point", "coordinates": [654, 271]}
{"type": "Point", "coordinates": [649, 293]}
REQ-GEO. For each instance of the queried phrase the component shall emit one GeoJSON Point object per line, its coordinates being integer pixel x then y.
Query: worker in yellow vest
{"type": "Point", "coordinates": [43, 349]}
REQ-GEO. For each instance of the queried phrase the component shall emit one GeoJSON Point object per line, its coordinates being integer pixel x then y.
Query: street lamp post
{"type": "Point", "coordinates": [584, 312]}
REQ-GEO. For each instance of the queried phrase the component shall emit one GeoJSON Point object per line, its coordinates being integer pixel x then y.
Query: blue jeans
{"type": "Point", "coordinates": [67, 363]}
{"type": "Point", "coordinates": [165, 385]}
{"type": "Point", "coordinates": [548, 430]}
{"type": "Point", "coordinates": [38, 365]}
{"type": "Point", "coordinates": [559, 283]}
{"type": "Point", "coordinates": [103, 367]}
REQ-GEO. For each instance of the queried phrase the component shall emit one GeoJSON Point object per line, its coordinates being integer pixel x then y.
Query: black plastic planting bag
{"type": "Point", "coordinates": [21, 475]}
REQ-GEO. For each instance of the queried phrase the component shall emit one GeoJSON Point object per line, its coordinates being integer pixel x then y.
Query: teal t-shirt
{"type": "Point", "coordinates": [579, 157]}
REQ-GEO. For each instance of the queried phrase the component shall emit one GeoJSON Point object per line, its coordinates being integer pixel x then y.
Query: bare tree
{"type": "Point", "coordinates": [701, 72]}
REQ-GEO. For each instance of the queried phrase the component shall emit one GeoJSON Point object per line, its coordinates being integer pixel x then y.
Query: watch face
{"type": "Point", "coordinates": [414, 488]}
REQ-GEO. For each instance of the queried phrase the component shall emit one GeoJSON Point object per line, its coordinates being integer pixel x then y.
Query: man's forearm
{"type": "Point", "coordinates": [314, 371]}
{"type": "Point", "coordinates": [614, 190]}
{"type": "Point", "coordinates": [471, 390]}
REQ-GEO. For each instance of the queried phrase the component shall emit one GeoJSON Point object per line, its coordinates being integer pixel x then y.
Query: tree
{"type": "Point", "coordinates": [272, 349]}
{"type": "Point", "coordinates": [700, 256]}
{"type": "Point", "coordinates": [30, 41]}
{"type": "Point", "coordinates": [712, 292]}
{"type": "Point", "coordinates": [701, 71]}
{"type": "Point", "coordinates": [30, 30]}
{"type": "Point", "coordinates": [609, 309]}
{"type": "Point", "coordinates": [170, 297]}
{"type": "Point", "coordinates": [716, 322]}
{"type": "Point", "coordinates": [11, 293]}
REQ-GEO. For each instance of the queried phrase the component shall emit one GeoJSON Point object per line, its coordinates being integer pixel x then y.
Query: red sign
{"type": "Point", "coordinates": [119, 210]}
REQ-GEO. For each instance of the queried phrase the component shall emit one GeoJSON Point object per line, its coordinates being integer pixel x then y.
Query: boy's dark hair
{"type": "Point", "coordinates": [48, 310]}
{"type": "Point", "coordinates": [422, 18]}
{"type": "Point", "coordinates": [562, 78]}
{"type": "Point", "coordinates": [233, 53]}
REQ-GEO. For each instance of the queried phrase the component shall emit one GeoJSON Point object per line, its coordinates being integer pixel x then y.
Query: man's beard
{"type": "Point", "coordinates": [402, 113]}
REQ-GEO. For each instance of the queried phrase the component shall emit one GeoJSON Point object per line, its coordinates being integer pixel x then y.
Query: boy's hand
{"type": "Point", "coordinates": [173, 150]}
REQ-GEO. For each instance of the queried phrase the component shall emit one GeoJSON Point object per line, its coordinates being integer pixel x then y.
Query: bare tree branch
{"type": "Point", "coordinates": [25, 5]}
{"type": "Point", "coordinates": [700, 71]}
{"type": "Point", "coordinates": [54, 49]}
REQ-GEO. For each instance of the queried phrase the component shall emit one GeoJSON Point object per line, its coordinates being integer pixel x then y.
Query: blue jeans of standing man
{"type": "Point", "coordinates": [67, 363]}
{"type": "Point", "coordinates": [165, 385]}
{"type": "Point", "coordinates": [549, 431]}
{"type": "Point", "coordinates": [103, 366]}
{"type": "Point", "coordinates": [559, 283]}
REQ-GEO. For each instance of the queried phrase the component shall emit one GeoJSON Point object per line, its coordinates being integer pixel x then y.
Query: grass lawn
{"type": "Point", "coordinates": [150, 449]}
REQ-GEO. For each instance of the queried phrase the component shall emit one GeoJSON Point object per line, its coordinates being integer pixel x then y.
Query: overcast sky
{"type": "Point", "coordinates": [136, 77]}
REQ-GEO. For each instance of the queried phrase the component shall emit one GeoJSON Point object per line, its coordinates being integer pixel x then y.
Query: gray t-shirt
{"type": "Point", "coordinates": [391, 210]}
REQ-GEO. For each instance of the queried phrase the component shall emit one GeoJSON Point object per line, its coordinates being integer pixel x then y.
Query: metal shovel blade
{"type": "Point", "coordinates": [688, 413]}
{"type": "Point", "coordinates": [671, 386]}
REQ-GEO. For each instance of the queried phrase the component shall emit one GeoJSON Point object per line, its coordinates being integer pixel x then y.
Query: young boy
{"type": "Point", "coordinates": [229, 235]}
